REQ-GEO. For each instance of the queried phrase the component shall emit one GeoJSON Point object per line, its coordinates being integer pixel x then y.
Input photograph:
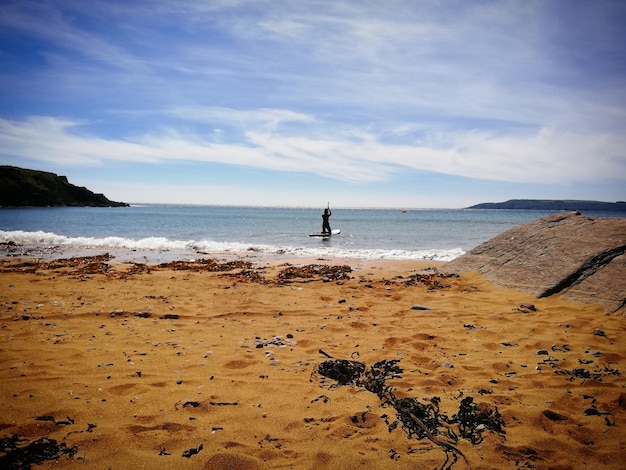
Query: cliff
{"type": "Point", "coordinates": [580, 258]}
{"type": "Point", "coordinates": [22, 187]}
{"type": "Point", "coordinates": [554, 205]}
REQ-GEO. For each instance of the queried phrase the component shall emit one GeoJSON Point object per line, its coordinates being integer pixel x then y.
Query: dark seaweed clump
{"type": "Point", "coordinates": [343, 371]}
{"type": "Point", "coordinates": [326, 272]}
{"type": "Point", "coordinates": [420, 420]}
{"type": "Point", "coordinates": [18, 456]}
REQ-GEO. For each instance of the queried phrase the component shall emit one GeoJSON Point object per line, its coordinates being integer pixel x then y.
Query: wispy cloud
{"type": "Point", "coordinates": [545, 156]}
{"type": "Point", "coordinates": [355, 91]}
{"type": "Point", "coordinates": [46, 22]}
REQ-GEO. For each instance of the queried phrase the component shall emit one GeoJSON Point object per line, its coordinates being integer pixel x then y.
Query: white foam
{"type": "Point", "coordinates": [42, 239]}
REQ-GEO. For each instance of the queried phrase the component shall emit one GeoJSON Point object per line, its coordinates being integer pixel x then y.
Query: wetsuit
{"type": "Point", "coordinates": [325, 224]}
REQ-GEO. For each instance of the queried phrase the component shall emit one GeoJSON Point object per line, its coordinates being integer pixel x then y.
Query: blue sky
{"type": "Point", "coordinates": [402, 103]}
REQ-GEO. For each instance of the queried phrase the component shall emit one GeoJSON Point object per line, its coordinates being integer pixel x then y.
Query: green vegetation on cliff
{"type": "Point", "coordinates": [21, 187]}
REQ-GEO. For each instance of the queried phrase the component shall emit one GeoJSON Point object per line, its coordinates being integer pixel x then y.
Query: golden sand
{"type": "Point", "coordinates": [134, 366]}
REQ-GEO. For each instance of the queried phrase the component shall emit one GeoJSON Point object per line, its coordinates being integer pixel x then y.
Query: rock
{"type": "Point", "coordinates": [554, 416]}
{"type": "Point", "coordinates": [581, 258]}
{"type": "Point", "coordinates": [23, 187]}
{"type": "Point", "coordinates": [420, 307]}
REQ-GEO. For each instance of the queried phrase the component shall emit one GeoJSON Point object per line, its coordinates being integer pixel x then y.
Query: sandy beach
{"type": "Point", "coordinates": [243, 364]}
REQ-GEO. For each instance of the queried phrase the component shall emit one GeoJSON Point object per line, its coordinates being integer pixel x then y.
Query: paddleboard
{"type": "Point", "coordinates": [325, 235]}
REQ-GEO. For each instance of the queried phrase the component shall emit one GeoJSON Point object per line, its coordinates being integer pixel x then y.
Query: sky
{"type": "Point", "coordinates": [356, 103]}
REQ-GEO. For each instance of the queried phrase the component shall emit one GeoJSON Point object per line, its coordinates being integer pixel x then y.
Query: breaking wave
{"type": "Point", "coordinates": [186, 248]}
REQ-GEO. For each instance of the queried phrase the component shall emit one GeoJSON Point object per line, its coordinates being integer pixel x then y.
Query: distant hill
{"type": "Point", "coordinates": [20, 187]}
{"type": "Point", "coordinates": [554, 205]}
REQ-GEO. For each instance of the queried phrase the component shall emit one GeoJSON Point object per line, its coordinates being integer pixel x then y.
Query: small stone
{"type": "Point", "coordinates": [554, 416]}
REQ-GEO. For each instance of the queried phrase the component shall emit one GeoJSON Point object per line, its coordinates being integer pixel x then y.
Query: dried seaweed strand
{"type": "Point", "coordinates": [440, 442]}
{"type": "Point", "coordinates": [418, 419]}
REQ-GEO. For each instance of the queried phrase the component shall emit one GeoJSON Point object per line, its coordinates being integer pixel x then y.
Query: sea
{"type": "Point", "coordinates": [162, 233]}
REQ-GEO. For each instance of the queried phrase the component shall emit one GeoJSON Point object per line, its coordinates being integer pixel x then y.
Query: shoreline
{"type": "Point", "coordinates": [150, 256]}
{"type": "Point", "coordinates": [195, 365]}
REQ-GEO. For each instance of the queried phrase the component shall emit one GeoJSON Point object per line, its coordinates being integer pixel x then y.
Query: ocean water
{"type": "Point", "coordinates": [165, 232]}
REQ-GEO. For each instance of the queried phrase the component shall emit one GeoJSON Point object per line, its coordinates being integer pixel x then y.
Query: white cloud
{"type": "Point", "coordinates": [243, 119]}
{"type": "Point", "coordinates": [547, 156]}
{"type": "Point", "coordinates": [493, 62]}
{"type": "Point", "coordinates": [356, 91]}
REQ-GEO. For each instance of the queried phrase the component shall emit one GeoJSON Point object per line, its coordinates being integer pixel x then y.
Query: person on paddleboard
{"type": "Point", "coordinates": [325, 224]}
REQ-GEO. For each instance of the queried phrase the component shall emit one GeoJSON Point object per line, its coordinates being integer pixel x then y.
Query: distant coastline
{"type": "Point", "coordinates": [554, 205]}
{"type": "Point", "coordinates": [20, 187]}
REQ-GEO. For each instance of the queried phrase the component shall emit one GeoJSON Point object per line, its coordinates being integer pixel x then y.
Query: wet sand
{"type": "Point", "coordinates": [217, 366]}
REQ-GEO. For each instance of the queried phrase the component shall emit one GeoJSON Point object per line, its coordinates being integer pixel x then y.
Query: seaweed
{"type": "Point", "coordinates": [249, 275]}
{"type": "Point", "coordinates": [430, 280]}
{"type": "Point", "coordinates": [22, 457]}
{"type": "Point", "coordinates": [419, 420]}
{"type": "Point", "coordinates": [378, 374]}
{"type": "Point", "coordinates": [326, 272]}
{"type": "Point", "coordinates": [205, 265]}
{"type": "Point", "coordinates": [343, 371]}
{"type": "Point", "coordinates": [193, 451]}
{"type": "Point", "coordinates": [597, 374]}
{"type": "Point", "coordinates": [473, 420]}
